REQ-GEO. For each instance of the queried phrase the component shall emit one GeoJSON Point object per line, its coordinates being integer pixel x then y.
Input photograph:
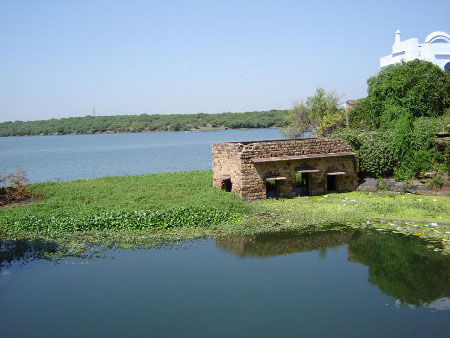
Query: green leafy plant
{"type": "Point", "coordinates": [436, 181]}
{"type": "Point", "coordinates": [407, 104]}
{"type": "Point", "coordinates": [320, 114]}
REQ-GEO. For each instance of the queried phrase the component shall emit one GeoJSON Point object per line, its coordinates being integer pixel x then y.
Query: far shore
{"type": "Point", "coordinates": [147, 131]}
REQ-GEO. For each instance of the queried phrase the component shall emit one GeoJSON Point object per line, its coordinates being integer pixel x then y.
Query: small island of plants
{"type": "Point", "coordinates": [70, 218]}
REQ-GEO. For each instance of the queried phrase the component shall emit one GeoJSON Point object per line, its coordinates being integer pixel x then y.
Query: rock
{"type": "Point", "coordinates": [444, 176]}
{"type": "Point", "coordinates": [442, 134]}
{"type": "Point", "coordinates": [441, 143]}
{"type": "Point", "coordinates": [392, 184]}
{"type": "Point", "coordinates": [430, 174]}
{"type": "Point", "coordinates": [369, 184]}
{"type": "Point", "coordinates": [417, 188]}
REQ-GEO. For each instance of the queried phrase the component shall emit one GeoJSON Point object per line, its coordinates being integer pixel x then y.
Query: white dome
{"type": "Point", "coordinates": [436, 35]}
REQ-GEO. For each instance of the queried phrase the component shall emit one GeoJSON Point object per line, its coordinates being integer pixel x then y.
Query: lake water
{"type": "Point", "coordinates": [339, 284]}
{"type": "Point", "coordinates": [332, 284]}
{"type": "Point", "coordinates": [70, 157]}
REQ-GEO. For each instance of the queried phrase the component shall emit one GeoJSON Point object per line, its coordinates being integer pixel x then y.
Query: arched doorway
{"type": "Point", "coordinates": [447, 66]}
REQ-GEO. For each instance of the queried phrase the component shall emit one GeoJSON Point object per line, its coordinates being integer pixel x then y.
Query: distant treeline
{"type": "Point", "coordinates": [143, 123]}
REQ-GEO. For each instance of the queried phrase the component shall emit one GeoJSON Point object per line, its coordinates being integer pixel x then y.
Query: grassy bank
{"type": "Point", "coordinates": [152, 209]}
{"type": "Point", "coordinates": [361, 210]}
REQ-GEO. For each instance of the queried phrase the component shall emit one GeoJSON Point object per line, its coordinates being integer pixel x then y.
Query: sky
{"type": "Point", "coordinates": [62, 58]}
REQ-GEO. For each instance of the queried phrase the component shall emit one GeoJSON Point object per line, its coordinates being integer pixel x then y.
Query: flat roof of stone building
{"type": "Point", "coordinates": [299, 157]}
{"type": "Point", "coordinates": [267, 141]}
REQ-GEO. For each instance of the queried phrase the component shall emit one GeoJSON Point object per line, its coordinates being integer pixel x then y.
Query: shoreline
{"type": "Point", "coordinates": [147, 210]}
{"type": "Point", "coordinates": [144, 131]}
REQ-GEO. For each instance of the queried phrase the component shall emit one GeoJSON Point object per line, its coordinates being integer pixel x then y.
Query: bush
{"type": "Point", "coordinates": [352, 136]}
{"type": "Point", "coordinates": [405, 150]}
{"type": "Point", "coordinates": [419, 87]}
{"type": "Point", "coordinates": [13, 187]}
{"type": "Point", "coordinates": [436, 181]}
{"type": "Point", "coordinates": [406, 105]}
{"type": "Point", "coordinates": [415, 150]}
{"type": "Point", "coordinates": [361, 117]}
{"type": "Point", "coordinates": [377, 154]}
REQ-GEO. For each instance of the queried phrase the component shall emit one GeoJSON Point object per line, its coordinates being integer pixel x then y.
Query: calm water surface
{"type": "Point", "coordinates": [69, 157]}
{"type": "Point", "coordinates": [347, 284]}
{"type": "Point", "coordinates": [333, 284]}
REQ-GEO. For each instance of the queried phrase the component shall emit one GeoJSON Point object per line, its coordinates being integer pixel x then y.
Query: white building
{"type": "Point", "coordinates": [436, 49]}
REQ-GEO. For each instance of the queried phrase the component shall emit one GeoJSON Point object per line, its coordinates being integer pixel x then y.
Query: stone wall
{"type": "Point", "coordinates": [226, 162]}
{"type": "Point", "coordinates": [236, 160]}
{"type": "Point", "coordinates": [280, 148]}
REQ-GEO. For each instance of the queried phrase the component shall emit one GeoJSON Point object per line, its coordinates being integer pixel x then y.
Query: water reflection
{"type": "Point", "coordinates": [283, 243]}
{"type": "Point", "coordinates": [400, 266]}
{"type": "Point", "coordinates": [23, 251]}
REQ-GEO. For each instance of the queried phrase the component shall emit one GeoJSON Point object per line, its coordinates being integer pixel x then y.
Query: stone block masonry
{"type": "Point", "coordinates": [289, 167]}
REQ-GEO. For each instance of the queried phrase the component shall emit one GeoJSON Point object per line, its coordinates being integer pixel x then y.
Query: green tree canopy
{"type": "Point", "coordinates": [143, 123]}
{"type": "Point", "coordinates": [320, 114]}
{"type": "Point", "coordinates": [416, 88]}
{"type": "Point", "coordinates": [406, 105]}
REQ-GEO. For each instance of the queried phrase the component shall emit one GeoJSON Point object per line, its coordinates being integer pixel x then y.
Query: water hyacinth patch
{"type": "Point", "coordinates": [178, 217]}
{"type": "Point", "coordinates": [147, 210]}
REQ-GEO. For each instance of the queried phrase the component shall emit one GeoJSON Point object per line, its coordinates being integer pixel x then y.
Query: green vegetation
{"type": "Point", "coordinates": [400, 267]}
{"type": "Point", "coordinates": [137, 211]}
{"type": "Point", "coordinates": [320, 114]}
{"type": "Point", "coordinates": [351, 208]}
{"type": "Point", "coordinates": [143, 123]}
{"type": "Point", "coordinates": [407, 104]}
{"type": "Point", "coordinates": [119, 211]}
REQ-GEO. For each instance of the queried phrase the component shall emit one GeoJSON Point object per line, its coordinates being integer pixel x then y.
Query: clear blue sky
{"type": "Point", "coordinates": [59, 58]}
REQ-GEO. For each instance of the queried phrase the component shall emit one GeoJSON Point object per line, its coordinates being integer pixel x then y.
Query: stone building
{"type": "Point", "coordinates": [284, 168]}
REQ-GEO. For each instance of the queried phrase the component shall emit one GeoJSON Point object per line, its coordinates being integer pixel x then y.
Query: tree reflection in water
{"type": "Point", "coordinates": [401, 266]}
{"type": "Point", "coordinates": [23, 251]}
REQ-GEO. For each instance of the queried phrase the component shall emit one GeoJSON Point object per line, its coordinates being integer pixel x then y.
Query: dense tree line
{"type": "Point", "coordinates": [143, 123]}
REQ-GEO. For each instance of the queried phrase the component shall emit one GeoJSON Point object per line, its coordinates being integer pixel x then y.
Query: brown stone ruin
{"type": "Point", "coordinates": [284, 168]}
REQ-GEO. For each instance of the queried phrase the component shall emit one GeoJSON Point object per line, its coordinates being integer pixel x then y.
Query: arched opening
{"type": "Point", "coordinates": [447, 66]}
{"type": "Point", "coordinates": [439, 41]}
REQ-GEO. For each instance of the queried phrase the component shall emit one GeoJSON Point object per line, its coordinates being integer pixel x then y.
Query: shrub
{"type": "Point", "coordinates": [407, 104]}
{"type": "Point", "coordinates": [405, 150]}
{"type": "Point", "coordinates": [13, 187]}
{"type": "Point", "coordinates": [361, 117]}
{"type": "Point", "coordinates": [352, 136]}
{"type": "Point", "coordinates": [436, 181]}
{"type": "Point", "coordinates": [377, 154]}
{"type": "Point", "coordinates": [419, 87]}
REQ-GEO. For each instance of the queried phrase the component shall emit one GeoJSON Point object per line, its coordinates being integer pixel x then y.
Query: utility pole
{"type": "Point", "coordinates": [93, 110]}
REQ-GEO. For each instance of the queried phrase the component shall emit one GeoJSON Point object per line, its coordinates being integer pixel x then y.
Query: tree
{"type": "Point", "coordinates": [320, 114]}
{"type": "Point", "coordinates": [407, 104]}
{"type": "Point", "coordinates": [417, 88]}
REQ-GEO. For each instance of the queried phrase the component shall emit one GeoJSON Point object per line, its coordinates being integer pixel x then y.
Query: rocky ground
{"type": "Point", "coordinates": [419, 187]}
